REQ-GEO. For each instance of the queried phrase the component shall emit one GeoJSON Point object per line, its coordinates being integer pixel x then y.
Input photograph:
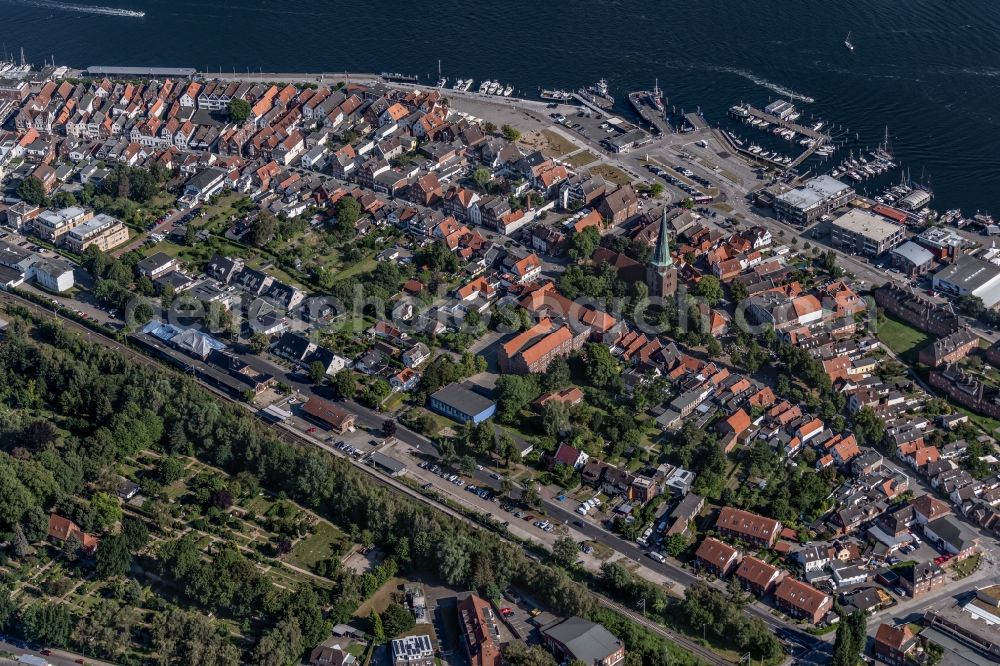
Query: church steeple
{"type": "Point", "coordinates": [661, 254]}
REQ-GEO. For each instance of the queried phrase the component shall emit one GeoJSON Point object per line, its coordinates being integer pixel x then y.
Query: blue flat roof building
{"type": "Point", "coordinates": [459, 403]}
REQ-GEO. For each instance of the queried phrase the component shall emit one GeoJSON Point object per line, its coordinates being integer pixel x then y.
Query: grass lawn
{"type": "Point", "coordinates": [326, 542]}
{"type": "Point", "coordinates": [613, 174]}
{"type": "Point", "coordinates": [395, 401]}
{"type": "Point", "coordinates": [380, 599]}
{"type": "Point", "coordinates": [365, 265]}
{"type": "Point", "coordinates": [582, 158]}
{"type": "Point", "coordinates": [902, 338]}
{"type": "Point", "coordinates": [559, 144]}
{"type": "Point", "coordinates": [987, 423]}
{"type": "Point", "coordinates": [967, 566]}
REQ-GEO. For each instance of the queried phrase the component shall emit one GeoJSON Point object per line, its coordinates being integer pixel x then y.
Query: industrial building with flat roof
{"type": "Point", "coordinates": [457, 402]}
{"type": "Point", "coordinates": [819, 196]}
{"type": "Point", "coordinates": [912, 259]}
{"type": "Point", "coordinates": [970, 276]}
{"type": "Point", "coordinates": [860, 232]}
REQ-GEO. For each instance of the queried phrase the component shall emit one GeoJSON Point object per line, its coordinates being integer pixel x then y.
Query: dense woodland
{"type": "Point", "coordinates": [70, 410]}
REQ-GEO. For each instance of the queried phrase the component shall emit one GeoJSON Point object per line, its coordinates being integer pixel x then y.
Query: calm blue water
{"type": "Point", "coordinates": [927, 69]}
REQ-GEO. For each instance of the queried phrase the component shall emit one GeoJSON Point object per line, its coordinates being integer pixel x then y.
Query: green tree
{"type": "Point", "coordinates": [317, 372]}
{"type": "Point", "coordinates": [510, 133]}
{"type": "Point", "coordinates": [583, 243]}
{"type": "Point", "coordinates": [710, 289]}
{"type": "Point", "coordinates": [675, 544]}
{"type": "Point", "coordinates": [239, 111]}
{"type": "Point", "coordinates": [516, 653]}
{"type": "Point", "coordinates": [32, 191]}
{"type": "Point", "coordinates": [396, 619]}
{"type": "Point", "coordinates": [843, 650]}
{"type": "Point", "coordinates": [105, 629]}
{"type": "Point", "coordinates": [135, 534]}
{"type": "Point", "coordinates": [8, 608]}
{"type": "Point", "coordinates": [513, 393]}
{"type": "Point", "coordinates": [259, 343]}
{"type": "Point", "coordinates": [738, 291]}
{"type": "Point", "coordinates": [348, 211]}
{"type": "Point", "coordinates": [47, 622]}
{"type": "Point", "coordinates": [262, 229]}
{"type": "Point", "coordinates": [170, 469]}
{"type": "Point", "coordinates": [113, 557]}
{"type": "Point", "coordinates": [564, 551]}
{"type": "Point", "coordinates": [378, 631]}
{"type": "Point", "coordinates": [345, 383]}
{"type": "Point", "coordinates": [482, 176]}
{"type": "Point", "coordinates": [601, 368]}
{"type": "Point", "coordinates": [869, 427]}
{"type": "Point", "coordinates": [934, 653]}
{"type": "Point", "coordinates": [280, 646]}
{"type": "Point", "coordinates": [105, 510]}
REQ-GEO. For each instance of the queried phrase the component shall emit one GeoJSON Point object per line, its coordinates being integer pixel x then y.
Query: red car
{"type": "Point", "coordinates": [506, 611]}
{"type": "Point", "coordinates": [529, 517]}
{"type": "Point", "coordinates": [311, 430]}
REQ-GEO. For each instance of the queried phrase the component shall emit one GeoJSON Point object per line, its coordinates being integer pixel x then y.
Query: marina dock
{"type": "Point", "coordinates": [795, 127]}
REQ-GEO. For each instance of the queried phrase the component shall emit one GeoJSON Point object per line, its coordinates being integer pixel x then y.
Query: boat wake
{"type": "Point", "coordinates": [764, 83]}
{"type": "Point", "coordinates": [85, 9]}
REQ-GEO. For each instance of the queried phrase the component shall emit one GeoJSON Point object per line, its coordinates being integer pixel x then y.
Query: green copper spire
{"type": "Point", "coordinates": [661, 255]}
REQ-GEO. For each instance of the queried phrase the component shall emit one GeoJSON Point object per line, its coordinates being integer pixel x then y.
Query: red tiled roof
{"type": "Point", "coordinates": [801, 595]}
{"type": "Point", "coordinates": [715, 552]}
{"type": "Point", "coordinates": [746, 523]}
{"type": "Point", "coordinates": [756, 571]}
{"type": "Point", "coordinates": [328, 413]}
{"type": "Point", "coordinates": [893, 637]}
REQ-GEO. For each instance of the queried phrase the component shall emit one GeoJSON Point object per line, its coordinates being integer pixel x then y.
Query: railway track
{"type": "Point", "coordinates": [294, 437]}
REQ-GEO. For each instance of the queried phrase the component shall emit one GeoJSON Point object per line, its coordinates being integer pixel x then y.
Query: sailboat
{"type": "Point", "coordinates": [848, 43]}
{"type": "Point", "coordinates": [442, 80]}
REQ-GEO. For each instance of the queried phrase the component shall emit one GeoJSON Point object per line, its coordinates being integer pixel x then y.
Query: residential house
{"type": "Point", "coordinates": [757, 575]}
{"type": "Point", "coordinates": [748, 527]}
{"type": "Point", "coordinates": [920, 578]}
{"type": "Point", "coordinates": [619, 206]}
{"type": "Point", "coordinates": [63, 529]}
{"type": "Point", "coordinates": [894, 644]}
{"type": "Point", "coordinates": [716, 557]}
{"type": "Point", "coordinates": [480, 631]}
{"type": "Point", "coordinates": [802, 600]}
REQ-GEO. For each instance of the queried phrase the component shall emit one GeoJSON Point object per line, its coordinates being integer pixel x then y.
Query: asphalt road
{"type": "Point", "coordinates": [56, 657]}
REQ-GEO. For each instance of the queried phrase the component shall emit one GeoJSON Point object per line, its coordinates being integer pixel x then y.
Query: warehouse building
{"type": "Point", "coordinates": [970, 276]}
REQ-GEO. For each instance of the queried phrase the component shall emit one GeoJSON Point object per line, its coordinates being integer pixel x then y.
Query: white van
{"type": "Point", "coordinates": [657, 556]}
